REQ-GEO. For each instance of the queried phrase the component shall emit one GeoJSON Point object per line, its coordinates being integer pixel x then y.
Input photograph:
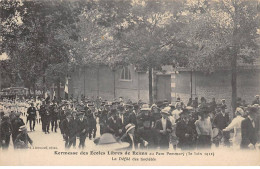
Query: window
{"type": "Point", "coordinates": [125, 74]}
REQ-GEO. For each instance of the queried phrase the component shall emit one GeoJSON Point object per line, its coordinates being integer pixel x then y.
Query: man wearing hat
{"type": "Point", "coordinates": [31, 111]}
{"type": "Point", "coordinates": [249, 129]}
{"type": "Point", "coordinates": [185, 131]}
{"type": "Point", "coordinates": [164, 128]}
{"type": "Point", "coordinates": [65, 129]}
{"type": "Point", "coordinates": [82, 129]}
{"type": "Point", "coordinates": [221, 121]}
{"type": "Point", "coordinates": [114, 124]}
{"type": "Point", "coordinates": [92, 124]}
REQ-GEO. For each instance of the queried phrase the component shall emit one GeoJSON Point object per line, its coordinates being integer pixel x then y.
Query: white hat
{"type": "Point", "coordinates": [165, 111]}
{"type": "Point", "coordinates": [129, 127]}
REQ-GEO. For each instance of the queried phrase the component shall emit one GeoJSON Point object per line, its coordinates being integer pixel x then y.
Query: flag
{"type": "Point", "coordinates": [66, 88]}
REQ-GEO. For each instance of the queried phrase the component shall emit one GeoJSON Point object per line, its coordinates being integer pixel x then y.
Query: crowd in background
{"type": "Point", "coordinates": [195, 125]}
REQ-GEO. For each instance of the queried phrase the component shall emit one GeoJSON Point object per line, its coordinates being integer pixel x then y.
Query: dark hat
{"type": "Point", "coordinates": [81, 113]}
{"type": "Point", "coordinates": [159, 103]}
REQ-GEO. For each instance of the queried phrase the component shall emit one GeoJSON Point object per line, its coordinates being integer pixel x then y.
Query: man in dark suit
{"type": "Point", "coordinates": [31, 111]}
{"type": "Point", "coordinates": [42, 113]}
{"type": "Point", "coordinates": [249, 129]}
{"type": "Point", "coordinates": [82, 125]}
{"type": "Point", "coordinates": [185, 131]}
{"type": "Point", "coordinates": [73, 130]}
{"type": "Point", "coordinates": [164, 128]}
{"type": "Point", "coordinates": [92, 123]}
{"type": "Point", "coordinates": [64, 128]}
{"type": "Point", "coordinates": [221, 121]}
{"type": "Point", "coordinates": [54, 117]}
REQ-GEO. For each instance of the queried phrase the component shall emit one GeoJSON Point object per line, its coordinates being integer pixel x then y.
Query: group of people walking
{"type": "Point", "coordinates": [161, 125]}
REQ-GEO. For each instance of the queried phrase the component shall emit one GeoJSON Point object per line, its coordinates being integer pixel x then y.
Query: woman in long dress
{"type": "Point", "coordinates": [236, 125]}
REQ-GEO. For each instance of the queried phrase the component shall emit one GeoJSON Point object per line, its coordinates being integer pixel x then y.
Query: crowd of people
{"type": "Point", "coordinates": [197, 125]}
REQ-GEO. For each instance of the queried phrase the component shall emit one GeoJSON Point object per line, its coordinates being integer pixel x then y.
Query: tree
{"type": "Point", "coordinates": [28, 35]}
{"type": "Point", "coordinates": [149, 39]}
{"type": "Point", "coordinates": [221, 33]}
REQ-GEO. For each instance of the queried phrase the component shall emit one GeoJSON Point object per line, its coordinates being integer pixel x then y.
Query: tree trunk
{"type": "Point", "coordinates": [34, 92]}
{"type": "Point", "coordinates": [234, 80]}
{"type": "Point", "coordinates": [44, 86]}
{"type": "Point", "coordinates": [150, 76]}
{"type": "Point", "coordinates": [58, 90]}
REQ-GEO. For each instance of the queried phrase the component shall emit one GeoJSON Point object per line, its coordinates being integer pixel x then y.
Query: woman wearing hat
{"type": "Point", "coordinates": [204, 130]}
{"type": "Point", "coordinates": [236, 125]}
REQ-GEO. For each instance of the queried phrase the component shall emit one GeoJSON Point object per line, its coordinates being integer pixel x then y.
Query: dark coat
{"type": "Point", "coordinates": [130, 117]}
{"type": "Point", "coordinates": [181, 129]}
{"type": "Point", "coordinates": [248, 133]}
{"type": "Point", "coordinates": [73, 126]}
{"type": "Point", "coordinates": [149, 135]}
{"type": "Point", "coordinates": [16, 124]}
{"type": "Point", "coordinates": [163, 140]}
{"type": "Point", "coordinates": [221, 121]}
{"type": "Point", "coordinates": [81, 125]}
{"type": "Point", "coordinates": [31, 111]}
{"type": "Point", "coordinates": [22, 140]}
{"type": "Point", "coordinates": [64, 127]}
{"type": "Point", "coordinates": [6, 129]}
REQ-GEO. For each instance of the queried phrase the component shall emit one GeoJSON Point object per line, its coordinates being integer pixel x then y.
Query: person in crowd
{"type": "Point", "coordinates": [256, 101]}
{"type": "Point", "coordinates": [103, 117]}
{"type": "Point", "coordinates": [22, 140]}
{"type": "Point", "coordinates": [47, 118]}
{"type": "Point", "coordinates": [65, 129]}
{"type": "Point", "coordinates": [204, 130]}
{"type": "Point", "coordinates": [31, 112]}
{"type": "Point", "coordinates": [42, 113]}
{"type": "Point", "coordinates": [212, 105]}
{"type": "Point", "coordinates": [221, 121]}
{"type": "Point", "coordinates": [236, 125]}
{"type": "Point", "coordinates": [155, 112]}
{"type": "Point", "coordinates": [132, 137]}
{"type": "Point", "coordinates": [91, 121]}
{"type": "Point", "coordinates": [16, 123]}
{"type": "Point", "coordinates": [73, 130]}
{"type": "Point", "coordinates": [176, 112]}
{"type": "Point", "coordinates": [82, 125]}
{"type": "Point", "coordinates": [5, 131]}
{"type": "Point", "coordinates": [195, 103]}
{"type": "Point", "coordinates": [114, 124]}
{"type": "Point", "coordinates": [185, 131]}
{"type": "Point", "coordinates": [189, 102]}
{"type": "Point", "coordinates": [146, 131]}
{"type": "Point", "coordinates": [249, 129]}
{"type": "Point", "coordinates": [164, 128]}
{"type": "Point", "coordinates": [129, 115]}
{"type": "Point", "coordinates": [54, 117]}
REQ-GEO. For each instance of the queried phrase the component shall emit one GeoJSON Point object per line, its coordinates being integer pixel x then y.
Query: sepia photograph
{"type": "Point", "coordinates": [129, 83]}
